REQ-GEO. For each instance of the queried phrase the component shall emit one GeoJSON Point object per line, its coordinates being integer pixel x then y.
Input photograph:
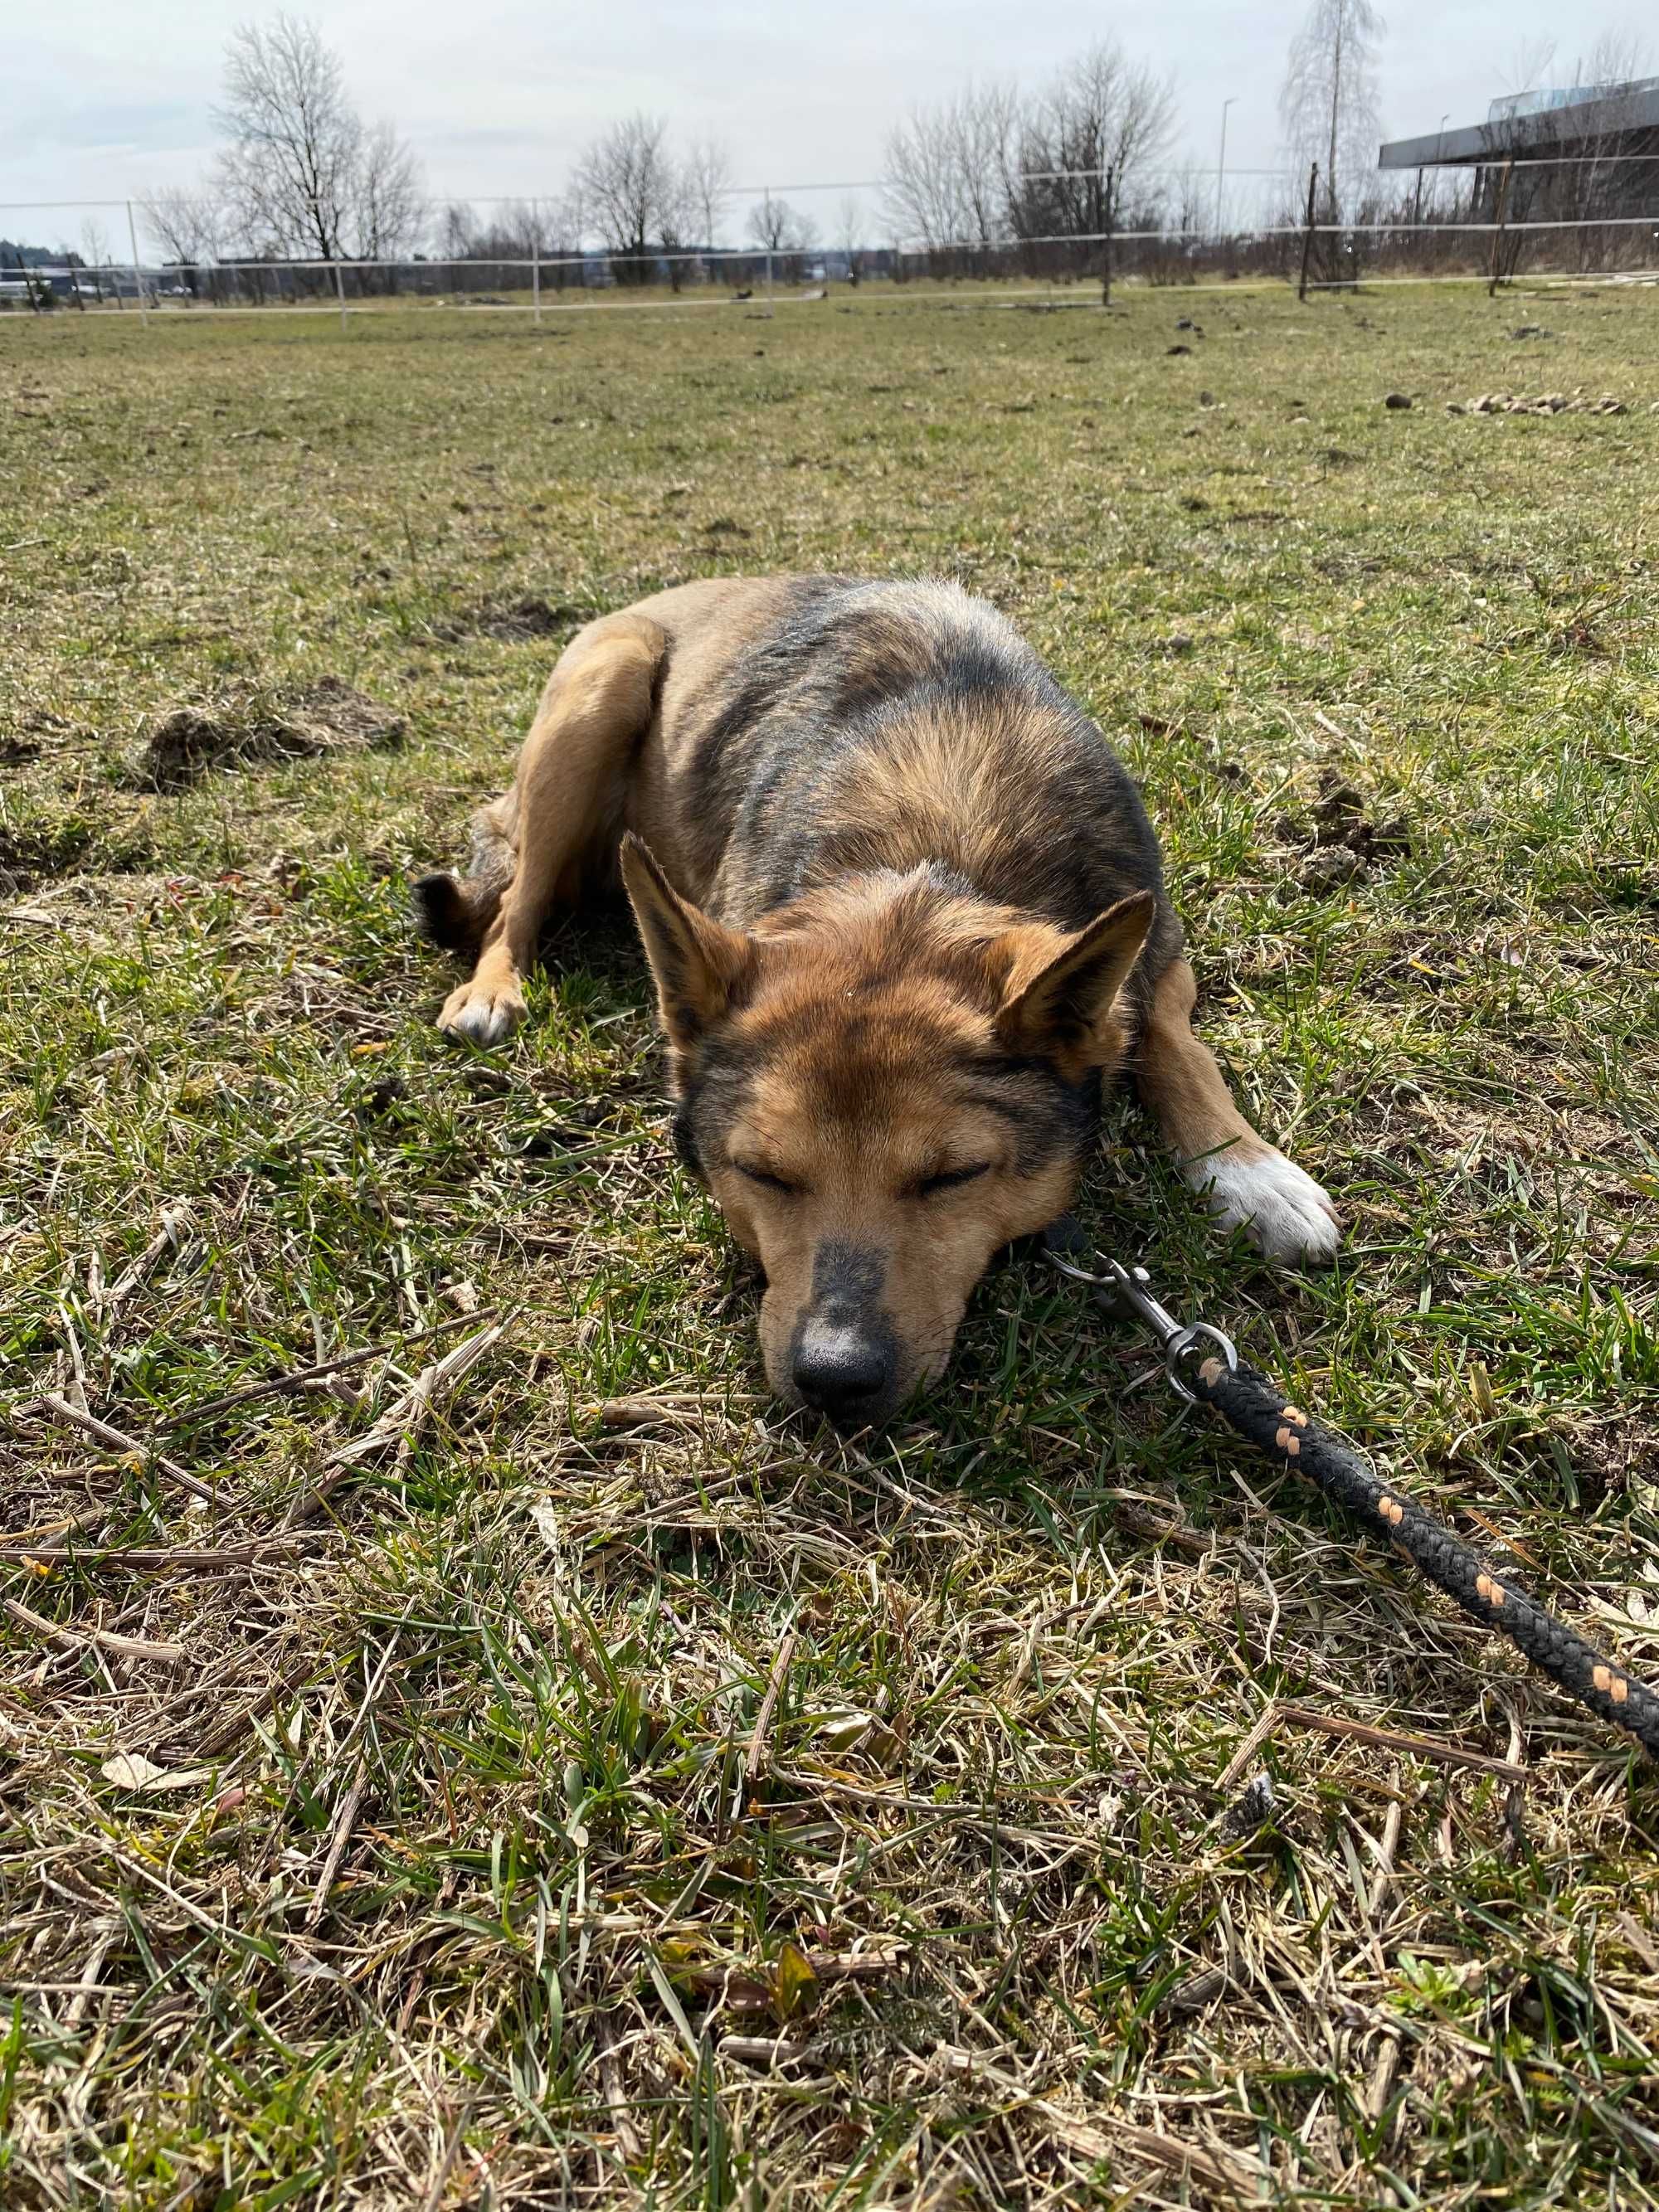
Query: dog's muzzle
{"type": "Point", "coordinates": [843, 1359]}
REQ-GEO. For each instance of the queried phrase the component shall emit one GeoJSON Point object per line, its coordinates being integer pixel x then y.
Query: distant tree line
{"type": "Point", "coordinates": [1072, 178]}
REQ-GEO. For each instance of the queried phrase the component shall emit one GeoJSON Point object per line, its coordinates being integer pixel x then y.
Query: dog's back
{"type": "Point", "coordinates": [825, 726]}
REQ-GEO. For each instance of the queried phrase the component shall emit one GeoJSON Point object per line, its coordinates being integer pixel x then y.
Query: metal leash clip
{"type": "Point", "coordinates": [1130, 1290]}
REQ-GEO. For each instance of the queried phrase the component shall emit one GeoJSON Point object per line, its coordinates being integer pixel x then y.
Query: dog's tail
{"type": "Point", "coordinates": [457, 915]}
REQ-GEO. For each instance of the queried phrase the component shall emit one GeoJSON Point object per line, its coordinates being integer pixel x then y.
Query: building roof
{"type": "Point", "coordinates": [1539, 125]}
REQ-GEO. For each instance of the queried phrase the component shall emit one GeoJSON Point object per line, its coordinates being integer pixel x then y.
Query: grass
{"type": "Point", "coordinates": [443, 1879]}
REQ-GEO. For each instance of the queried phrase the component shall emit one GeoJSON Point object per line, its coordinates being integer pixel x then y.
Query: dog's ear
{"type": "Point", "coordinates": [696, 961]}
{"type": "Point", "coordinates": [1057, 999]}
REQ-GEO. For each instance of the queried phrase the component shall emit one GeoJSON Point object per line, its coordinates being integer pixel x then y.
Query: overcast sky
{"type": "Point", "coordinates": [105, 99]}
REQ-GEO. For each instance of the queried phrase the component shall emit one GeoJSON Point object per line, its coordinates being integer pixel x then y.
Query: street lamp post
{"type": "Point", "coordinates": [1439, 156]}
{"type": "Point", "coordinates": [1221, 170]}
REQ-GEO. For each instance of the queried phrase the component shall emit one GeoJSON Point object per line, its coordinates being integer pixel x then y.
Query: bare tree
{"type": "Point", "coordinates": [518, 232]}
{"type": "Point", "coordinates": [386, 201]}
{"type": "Point", "coordinates": [1587, 190]}
{"type": "Point", "coordinates": [457, 231]}
{"type": "Point", "coordinates": [514, 233]}
{"type": "Point", "coordinates": [779, 228]}
{"type": "Point", "coordinates": [1104, 118]}
{"type": "Point", "coordinates": [288, 170]}
{"type": "Point", "coordinates": [984, 131]}
{"type": "Point", "coordinates": [100, 255]}
{"type": "Point", "coordinates": [626, 181]}
{"type": "Point", "coordinates": [850, 226]}
{"type": "Point", "coordinates": [184, 225]}
{"type": "Point", "coordinates": [1601, 187]}
{"type": "Point", "coordinates": [1530, 63]}
{"type": "Point", "coordinates": [783, 232]}
{"type": "Point", "coordinates": [1328, 105]}
{"type": "Point", "coordinates": [301, 174]}
{"type": "Point", "coordinates": [677, 222]}
{"type": "Point", "coordinates": [563, 227]}
{"type": "Point", "coordinates": [1191, 189]}
{"type": "Point", "coordinates": [948, 169]}
{"type": "Point", "coordinates": [1619, 59]}
{"type": "Point", "coordinates": [706, 181]}
{"type": "Point", "coordinates": [919, 187]}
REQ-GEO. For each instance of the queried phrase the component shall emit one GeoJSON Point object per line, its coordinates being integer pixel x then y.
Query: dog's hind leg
{"type": "Point", "coordinates": [559, 825]}
{"type": "Point", "coordinates": [457, 915]}
{"type": "Point", "coordinates": [1243, 1180]}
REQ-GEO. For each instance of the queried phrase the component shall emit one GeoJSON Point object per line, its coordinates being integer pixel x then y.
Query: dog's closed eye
{"type": "Point", "coordinates": [767, 1180]}
{"type": "Point", "coordinates": [951, 1179]}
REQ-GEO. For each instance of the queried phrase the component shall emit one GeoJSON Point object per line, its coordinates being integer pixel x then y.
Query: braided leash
{"type": "Point", "coordinates": [1257, 1408]}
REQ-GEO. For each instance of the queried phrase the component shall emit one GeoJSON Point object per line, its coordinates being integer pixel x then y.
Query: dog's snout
{"type": "Point", "coordinates": [844, 1360]}
{"type": "Point", "coordinates": [841, 1370]}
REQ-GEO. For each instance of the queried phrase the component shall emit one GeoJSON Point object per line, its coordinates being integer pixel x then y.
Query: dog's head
{"type": "Point", "coordinates": [881, 1084]}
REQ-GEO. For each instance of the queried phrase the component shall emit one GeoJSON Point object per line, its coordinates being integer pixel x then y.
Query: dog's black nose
{"type": "Point", "coordinates": [841, 1371]}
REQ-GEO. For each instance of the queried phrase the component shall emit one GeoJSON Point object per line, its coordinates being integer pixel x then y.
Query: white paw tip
{"type": "Point", "coordinates": [1287, 1213]}
{"type": "Point", "coordinates": [481, 1020]}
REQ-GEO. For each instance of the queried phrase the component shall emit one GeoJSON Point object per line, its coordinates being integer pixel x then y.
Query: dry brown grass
{"type": "Point", "coordinates": [580, 1784]}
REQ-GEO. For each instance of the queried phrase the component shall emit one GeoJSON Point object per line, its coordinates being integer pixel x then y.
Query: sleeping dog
{"type": "Point", "coordinates": [905, 913]}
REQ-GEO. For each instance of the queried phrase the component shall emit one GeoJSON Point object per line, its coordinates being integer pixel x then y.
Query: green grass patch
{"type": "Point", "coordinates": [443, 1878]}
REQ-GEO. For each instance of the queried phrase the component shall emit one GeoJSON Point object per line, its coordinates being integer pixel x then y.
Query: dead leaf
{"type": "Point", "coordinates": [794, 1984]}
{"type": "Point", "coordinates": [131, 1770]}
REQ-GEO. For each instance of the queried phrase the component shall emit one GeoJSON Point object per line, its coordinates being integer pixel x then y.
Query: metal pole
{"type": "Point", "coordinates": [1498, 235]}
{"type": "Point", "coordinates": [339, 287]}
{"type": "Point", "coordinates": [766, 202]}
{"type": "Point", "coordinates": [1106, 247]}
{"type": "Point", "coordinates": [1307, 235]}
{"type": "Point", "coordinates": [137, 273]}
{"type": "Point", "coordinates": [536, 257]}
{"type": "Point", "coordinates": [1221, 174]}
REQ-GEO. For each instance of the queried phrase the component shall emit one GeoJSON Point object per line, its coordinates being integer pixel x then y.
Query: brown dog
{"type": "Point", "coordinates": [904, 910]}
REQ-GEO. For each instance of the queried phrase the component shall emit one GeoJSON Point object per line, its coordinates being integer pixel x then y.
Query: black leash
{"type": "Point", "coordinates": [1203, 1366]}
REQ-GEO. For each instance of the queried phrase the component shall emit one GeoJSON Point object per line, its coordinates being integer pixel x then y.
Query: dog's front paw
{"type": "Point", "coordinates": [1284, 1210]}
{"type": "Point", "coordinates": [481, 1013]}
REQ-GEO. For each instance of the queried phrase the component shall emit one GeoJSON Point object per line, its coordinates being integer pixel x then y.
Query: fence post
{"type": "Point", "coordinates": [1308, 234]}
{"type": "Point", "coordinates": [137, 273]}
{"type": "Point", "coordinates": [29, 293]}
{"type": "Point", "coordinates": [339, 287]}
{"type": "Point", "coordinates": [1106, 245]}
{"type": "Point", "coordinates": [536, 257]}
{"type": "Point", "coordinates": [1498, 235]}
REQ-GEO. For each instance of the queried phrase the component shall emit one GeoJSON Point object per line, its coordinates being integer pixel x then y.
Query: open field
{"type": "Point", "coordinates": [406, 1849]}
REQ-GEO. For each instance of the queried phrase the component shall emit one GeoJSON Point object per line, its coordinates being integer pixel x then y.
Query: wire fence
{"type": "Point", "coordinates": [1490, 227]}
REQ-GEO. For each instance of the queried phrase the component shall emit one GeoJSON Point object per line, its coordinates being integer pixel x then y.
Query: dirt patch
{"type": "Point", "coordinates": [1343, 837]}
{"type": "Point", "coordinates": [28, 857]}
{"type": "Point", "coordinates": [28, 734]}
{"type": "Point", "coordinates": [325, 717]}
{"type": "Point", "coordinates": [38, 853]}
{"type": "Point", "coordinates": [528, 616]}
